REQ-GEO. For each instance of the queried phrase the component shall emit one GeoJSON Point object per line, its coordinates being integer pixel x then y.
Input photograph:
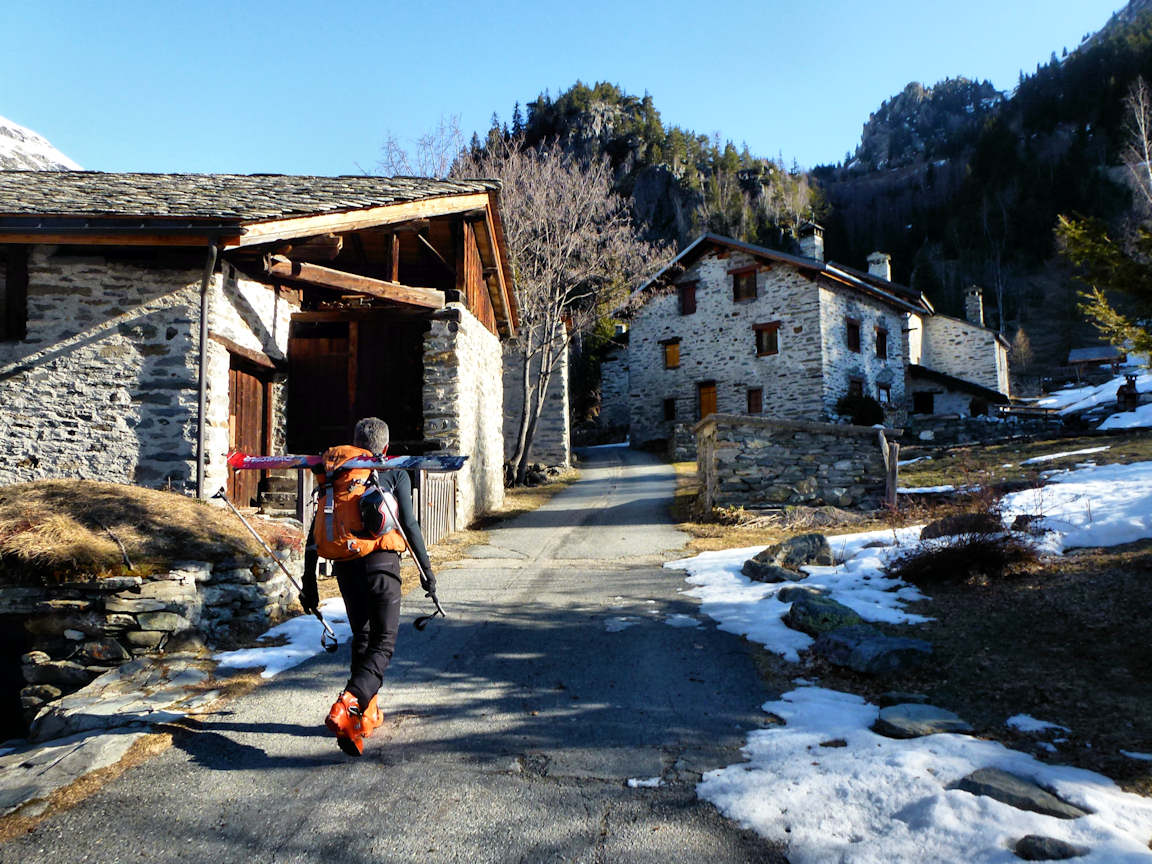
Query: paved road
{"type": "Point", "coordinates": [512, 727]}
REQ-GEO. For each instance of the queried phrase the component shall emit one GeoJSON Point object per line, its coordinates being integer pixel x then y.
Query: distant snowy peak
{"type": "Point", "coordinates": [21, 149]}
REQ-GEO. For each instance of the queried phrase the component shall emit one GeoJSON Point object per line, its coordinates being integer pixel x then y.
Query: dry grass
{"type": "Point", "coordinates": [993, 464]}
{"type": "Point", "coordinates": [52, 530]}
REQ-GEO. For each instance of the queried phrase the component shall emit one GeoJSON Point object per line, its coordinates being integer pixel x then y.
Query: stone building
{"type": "Point", "coordinates": [151, 323]}
{"type": "Point", "coordinates": [732, 328]}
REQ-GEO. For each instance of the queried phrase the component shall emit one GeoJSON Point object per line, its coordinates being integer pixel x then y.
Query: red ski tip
{"type": "Point", "coordinates": [236, 459]}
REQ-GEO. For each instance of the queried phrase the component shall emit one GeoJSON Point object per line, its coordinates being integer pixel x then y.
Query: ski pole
{"type": "Point", "coordinates": [328, 633]}
{"type": "Point", "coordinates": [421, 622]}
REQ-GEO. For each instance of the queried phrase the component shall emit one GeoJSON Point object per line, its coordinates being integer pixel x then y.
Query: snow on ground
{"type": "Point", "coordinates": [883, 800]}
{"type": "Point", "coordinates": [1082, 398]}
{"type": "Point", "coordinates": [751, 609]}
{"type": "Point", "coordinates": [1024, 723]}
{"type": "Point", "coordinates": [923, 490]}
{"type": "Point", "coordinates": [879, 799]}
{"type": "Point", "coordinates": [649, 783]}
{"type": "Point", "coordinates": [1137, 419]}
{"type": "Point", "coordinates": [301, 636]}
{"type": "Point", "coordinates": [1048, 457]}
{"type": "Point", "coordinates": [1102, 505]}
{"type": "Point", "coordinates": [1143, 757]}
{"type": "Point", "coordinates": [615, 625]}
{"type": "Point", "coordinates": [678, 620]}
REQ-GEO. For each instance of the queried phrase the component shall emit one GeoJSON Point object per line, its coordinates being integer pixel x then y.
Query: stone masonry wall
{"type": "Point", "coordinates": [79, 630]}
{"type": "Point", "coordinates": [464, 406]}
{"type": "Point", "coordinates": [105, 384]}
{"type": "Point", "coordinates": [842, 365]}
{"type": "Point", "coordinates": [964, 350]}
{"type": "Point", "coordinates": [552, 444]}
{"type": "Point", "coordinates": [614, 389]}
{"type": "Point", "coordinates": [756, 462]}
{"type": "Point", "coordinates": [718, 343]}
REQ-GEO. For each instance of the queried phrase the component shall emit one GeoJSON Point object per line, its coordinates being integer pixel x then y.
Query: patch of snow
{"type": "Point", "coordinates": [1143, 757]}
{"type": "Point", "coordinates": [303, 642]}
{"type": "Point", "coordinates": [624, 443]}
{"type": "Point", "coordinates": [1137, 419]}
{"type": "Point", "coordinates": [902, 462]}
{"type": "Point", "coordinates": [1035, 460]}
{"type": "Point", "coordinates": [1100, 506]}
{"type": "Point", "coordinates": [920, 490]}
{"type": "Point", "coordinates": [750, 609]}
{"type": "Point", "coordinates": [1076, 399]}
{"type": "Point", "coordinates": [1024, 723]}
{"type": "Point", "coordinates": [1046, 746]}
{"type": "Point", "coordinates": [886, 800]}
{"type": "Point", "coordinates": [615, 625]}
{"type": "Point", "coordinates": [650, 783]}
{"type": "Point", "coordinates": [679, 620]}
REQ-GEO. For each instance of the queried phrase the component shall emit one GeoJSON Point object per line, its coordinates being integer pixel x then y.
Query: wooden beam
{"type": "Point", "coordinates": [95, 238]}
{"type": "Point", "coordinates": [355, 220]}
{"type": "Point", "coordinates": [259, 358]}
{"type": "Point", "coordinates": [394, 257]}
{"type": "Point", "coordinates": [323, 247]}
{"type": "Point", "coordinates": [413, 226]}
{"type": "Point", "coordinates": [427, 244]}
{"type": "Point", "coordinates": [338, 280]}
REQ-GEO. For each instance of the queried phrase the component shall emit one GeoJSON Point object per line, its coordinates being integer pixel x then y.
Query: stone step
{"type": "Point", "coordinates": [280, 484]}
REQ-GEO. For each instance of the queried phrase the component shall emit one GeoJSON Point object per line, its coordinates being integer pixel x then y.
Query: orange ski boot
{"type": "Point", "coordinates": [347, 724]}
{"type": "Point", "coordinates": [373, 717]}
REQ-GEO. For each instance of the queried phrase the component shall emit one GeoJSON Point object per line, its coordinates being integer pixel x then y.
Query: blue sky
{"type": "Point", "coordinates": [313, 88]}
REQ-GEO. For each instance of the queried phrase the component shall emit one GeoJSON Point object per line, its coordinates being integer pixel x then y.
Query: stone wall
{"type": "Point", "coordinates": [965, 350]}
{"type": "Point", "coordinates": [614, 388]}
{"type": "Point", "coordinates": [757, 462]}
{"type": "Point", "coordinates": [960, 428]}
{"type": "Point", "coordinates": [552, 444]}
{"type": "Point", "coordinates": [718, 343]}
{"type": "Point", "coordinates": [464, 406]}
{"type": "Point", "coordinates": [79, 630]}
{"type": "Point", "coordinates": [842, 365]}
{"type": "Point", "coordinates": [105, 386]}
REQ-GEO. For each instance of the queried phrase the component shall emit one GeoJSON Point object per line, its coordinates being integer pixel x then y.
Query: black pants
{"type": "Point", "coordinates": [370, 587]}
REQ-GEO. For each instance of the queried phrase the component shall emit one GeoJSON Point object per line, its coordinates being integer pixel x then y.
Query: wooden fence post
{"type": "Point", "coordinates": [893, 460]}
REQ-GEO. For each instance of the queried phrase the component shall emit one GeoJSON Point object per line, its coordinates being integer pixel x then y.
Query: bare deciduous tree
{"type": "Point", "coordinates": [432, 155]}
{"type": "Point", "coordinates": [574, 254]}
{"type": "Point", "coordinates": [1138, 151]}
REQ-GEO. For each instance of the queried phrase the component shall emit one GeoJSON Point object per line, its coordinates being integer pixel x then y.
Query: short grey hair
{"type": "Point", "coordinates": [371, 434]}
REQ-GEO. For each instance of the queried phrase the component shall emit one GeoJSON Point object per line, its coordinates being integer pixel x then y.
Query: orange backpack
{"type": "Point", "coordinates": [339, 528]}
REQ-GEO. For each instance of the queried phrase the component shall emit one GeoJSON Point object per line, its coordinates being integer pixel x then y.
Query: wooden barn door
{"type": "Point", "coordinates": [249, 425]}
{"type": "Point", "coordinates": [321, 384]}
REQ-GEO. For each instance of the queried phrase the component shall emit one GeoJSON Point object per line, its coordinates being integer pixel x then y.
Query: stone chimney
{"type": "Point", "coordinates": [812, 241]}
{"type": "Point", "coordinates": [880, 264]}
{"type": "Point", "coordinates": [974, 305]}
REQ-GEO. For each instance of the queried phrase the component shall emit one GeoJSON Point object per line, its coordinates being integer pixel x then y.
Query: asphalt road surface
{"type": "Point", "coordinates": [511, 731]}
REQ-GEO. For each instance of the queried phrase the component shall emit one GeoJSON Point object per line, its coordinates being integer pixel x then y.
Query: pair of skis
{"type": "Point", "coordinates": [242, 461]}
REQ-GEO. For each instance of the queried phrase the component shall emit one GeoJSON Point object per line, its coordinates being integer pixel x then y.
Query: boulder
{"type": "Point", "coordinates": [897, 697]}
{"type": "Point", "coordinates": [1034, 847]}
{"type": "Point", "coordinates": [761, 571]}
{"type": "Point", "coordinates": [915, 720]}
{"type": "Point", "coordinates": [790, 593]}
{"type": "Point", "coordinates": [866, 650]}
{"type": "Point", "coordinates": [1018, 792]}
{"type": "Point", "coordinates": [814, 615]}
{"type": "Point", "coordinates": [962, 523]}
{"type": "Point", "coordinates": [169, 621]}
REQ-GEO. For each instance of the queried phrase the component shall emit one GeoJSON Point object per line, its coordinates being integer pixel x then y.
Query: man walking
{"type": "Point", "coordinates": [364, 521]}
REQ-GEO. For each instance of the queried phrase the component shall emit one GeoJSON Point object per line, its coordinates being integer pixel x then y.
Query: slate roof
{"type": "Point", "coordinates": [216, 197]}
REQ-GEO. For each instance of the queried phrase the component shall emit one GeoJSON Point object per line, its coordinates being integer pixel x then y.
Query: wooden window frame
{"type": "Point", "coordinates": [855, 386]}
{"type": "Point", "coordinates": [881, 343]}
{"type": "Point", "coordinates": [884, 394]}
{"type": "Point", "coordinates": [687, 297]}
{"type": "Point", "coordinates": [767, 337]}
{"type": "Point", "coordinates": [671, 351]}
{"type": "Point", "coordinates": [739, 274]}
{"type": "Point", "coordinates": [14, 325]}
{"type": "Point", "coordinates": [670, 409]}
{"type": "Point", "coordinates": [852, 328]}
{"type": "Point", "coordinates": [755, 400]}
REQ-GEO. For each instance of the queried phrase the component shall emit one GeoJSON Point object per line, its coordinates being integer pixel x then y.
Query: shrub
{"type": "Point", "coordinates": [864, 410]}
{"type": "Point", "coordinates": [963, 557]}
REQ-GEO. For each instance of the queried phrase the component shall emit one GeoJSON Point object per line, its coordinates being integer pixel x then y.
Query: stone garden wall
{"type": "Point", "coordinates": [755, 462]}
{"type": "Point", "coordinates": [80, 630]}
{"type": "Point", "coordinates": [464, 406]}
